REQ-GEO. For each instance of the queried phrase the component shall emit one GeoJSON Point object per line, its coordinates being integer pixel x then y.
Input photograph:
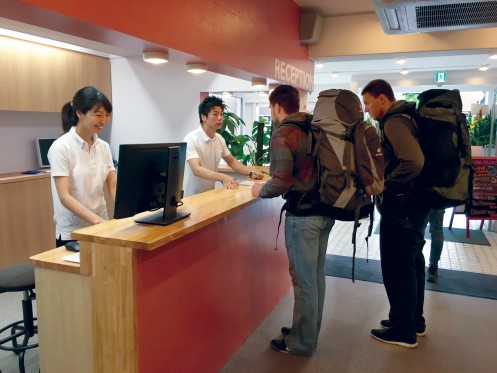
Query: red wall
{"type": "Point", "coordinates": [244, 35]}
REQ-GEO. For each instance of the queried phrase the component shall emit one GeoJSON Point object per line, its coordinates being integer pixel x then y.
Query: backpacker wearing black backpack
{"type": "Point", "coordinates": [349, 160]}
{"type": "Point", "coordinates": [446, 179]}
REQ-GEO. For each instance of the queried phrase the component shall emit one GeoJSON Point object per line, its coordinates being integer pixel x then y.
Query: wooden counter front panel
{"type": "Point", "coordinates": [64, 321]}
{"type": "Point", "coordinates": [26, 219]}
{"type": "Point", "coordinates": [200, 297]}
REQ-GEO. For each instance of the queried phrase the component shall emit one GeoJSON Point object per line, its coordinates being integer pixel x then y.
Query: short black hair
{"type": "Point", "coordinates": [207, 104]}
{"type": "Point", "coordinates": [287, 97]}
{"type": "Point", "coordinates": [378, 87]}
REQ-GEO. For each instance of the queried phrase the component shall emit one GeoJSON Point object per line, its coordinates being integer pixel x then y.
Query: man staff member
{"type": "Point", "coordinates": [206, 147]}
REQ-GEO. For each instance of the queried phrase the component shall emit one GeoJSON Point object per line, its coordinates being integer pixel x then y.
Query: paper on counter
{"type": "Point", "coordinates": [246, 182]}
{"type": "Point", "coordinates": [71, 258]}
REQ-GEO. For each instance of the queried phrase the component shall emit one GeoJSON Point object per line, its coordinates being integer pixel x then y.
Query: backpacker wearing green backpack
{"type": "Point", "coordinates": [349, 160]}
{"type": "Point", "coordinates": [446, 179]}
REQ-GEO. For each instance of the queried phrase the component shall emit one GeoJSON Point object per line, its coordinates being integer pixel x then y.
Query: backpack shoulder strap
{"type": "Point", "coordinates": [306, 128]}
{"type": "Point", "coordinates": [406, 119]}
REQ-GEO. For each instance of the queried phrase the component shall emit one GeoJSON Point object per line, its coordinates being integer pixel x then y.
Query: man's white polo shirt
{"type": "Point", "coordinates": [210, 151]}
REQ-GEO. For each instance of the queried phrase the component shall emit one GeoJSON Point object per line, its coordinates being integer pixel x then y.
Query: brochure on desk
{"type": "Point", "coordinates": [71, 258]}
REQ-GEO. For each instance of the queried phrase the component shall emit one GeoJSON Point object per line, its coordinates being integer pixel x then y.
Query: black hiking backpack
{"type": "Point", "coordinates": [446, 179]}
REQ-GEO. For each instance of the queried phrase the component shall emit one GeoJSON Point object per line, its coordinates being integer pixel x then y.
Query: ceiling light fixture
{"type": "Point", "coordinates": [334, 74]}
{"type": "Point", "coordinates": [272, 86]}
{"type": "Point", "coordinates": [484, 67]}
{"type": "Point", "coordinates": [319, 65]}
{"type": "Point", "coordinates": [493, 56]}
{"type": "Point", "coordinates": [263, 93]}
{"type": "Point", "coordinates": [156, 58]}
{"type": "Point", "coordinates": [196, 67]}
{"type": "Point", "coordinates": [259, 82]}
{"type": "Point", "coordinates": [404, 71]}
{"type": "Point", "coordinates": [401, 60]}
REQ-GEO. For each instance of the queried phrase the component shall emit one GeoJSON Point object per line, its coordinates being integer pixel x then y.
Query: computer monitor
{"type": "Point", "coordinates": [150, 177]}
{"type": "Point", "coordinates": [42, 146]}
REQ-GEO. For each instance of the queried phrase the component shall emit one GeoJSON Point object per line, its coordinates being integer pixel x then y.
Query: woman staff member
{"type": "Point", "coordinates": [81, 164]}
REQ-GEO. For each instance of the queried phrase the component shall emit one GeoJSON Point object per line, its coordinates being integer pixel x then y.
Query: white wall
{"type": "Point", "coordinates": [18, 133]}
{"type": "Point", "coordinates": [151, 104]}
{"type": "Point", "coordinates": [159, 103]}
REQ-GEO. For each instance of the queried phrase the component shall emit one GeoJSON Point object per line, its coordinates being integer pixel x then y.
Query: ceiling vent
{"type": "Point", "coordinates": [410, 16]}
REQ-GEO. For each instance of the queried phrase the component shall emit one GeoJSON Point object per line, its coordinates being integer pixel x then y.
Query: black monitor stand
{"type": "Point", "coordinates": [159, 219]}
{"type": "Point", "coordinates": [174, 191]}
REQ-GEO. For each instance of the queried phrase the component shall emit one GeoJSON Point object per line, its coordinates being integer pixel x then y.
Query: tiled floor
{"type": "Point", "coordinates": [457, 256]}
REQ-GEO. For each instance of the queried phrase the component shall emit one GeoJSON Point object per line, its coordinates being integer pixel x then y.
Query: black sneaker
{"type": "Point", "coordinates": [420, 330]}
{"type": "Point", "coordinates": [432, 274]}
{"type": "Point", "coordinates": [280, 345]}
{"type": "Point", "coordinates": [285, 330]}
{"type": "Point", "coordinates": [389, 335]}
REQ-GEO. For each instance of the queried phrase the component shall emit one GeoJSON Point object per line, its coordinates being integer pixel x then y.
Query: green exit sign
{"type": "Point", "coordinates": [441, 77]}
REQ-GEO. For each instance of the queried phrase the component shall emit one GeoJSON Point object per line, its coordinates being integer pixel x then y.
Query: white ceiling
{"type": "Point", "coordinates": [373, 66]}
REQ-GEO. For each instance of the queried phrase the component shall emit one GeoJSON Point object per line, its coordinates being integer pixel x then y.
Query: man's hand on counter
{"type": "Point", "coordinates": [229, 182]}
{"type": "Point", "coordinates": [256, 175]}
{"type": "Point", "coordinates": [256, 188]}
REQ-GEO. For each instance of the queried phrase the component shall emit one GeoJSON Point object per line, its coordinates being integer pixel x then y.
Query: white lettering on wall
{"type": "Point", "coordinates": [285, 72]}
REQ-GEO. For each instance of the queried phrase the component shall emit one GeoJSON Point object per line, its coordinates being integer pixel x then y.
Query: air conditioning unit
{"type": "Point", "coordinates": [410, 16]}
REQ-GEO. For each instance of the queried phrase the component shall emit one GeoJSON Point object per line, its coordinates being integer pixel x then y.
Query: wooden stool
{"type": "Point", "coordinates": [19, 277]}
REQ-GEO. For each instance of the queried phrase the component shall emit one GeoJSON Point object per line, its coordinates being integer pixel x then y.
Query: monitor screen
{"type": "Point", "coordinates": [150, 177]}
{"type": "Point", "coordinates": [42, 146]}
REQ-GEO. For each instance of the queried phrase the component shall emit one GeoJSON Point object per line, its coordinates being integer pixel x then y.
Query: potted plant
{"type": "Point", "coordinates": [479, 131]}
{"type": "Point", "coordinates": [244, 147]}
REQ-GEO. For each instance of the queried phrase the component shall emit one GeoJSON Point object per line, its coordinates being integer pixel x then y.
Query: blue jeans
{"type": "Point", "coordinates": [306, 242]}
{"type": "Point", "coordinates": [436, 220]}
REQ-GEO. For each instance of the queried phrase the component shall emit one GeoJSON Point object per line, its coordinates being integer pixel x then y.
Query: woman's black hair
{"type": "Point", "coordinates": [85, 99]}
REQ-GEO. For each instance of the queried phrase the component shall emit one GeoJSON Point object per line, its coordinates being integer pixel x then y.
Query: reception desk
{"type": "Point", "coordinates": [180, 298]}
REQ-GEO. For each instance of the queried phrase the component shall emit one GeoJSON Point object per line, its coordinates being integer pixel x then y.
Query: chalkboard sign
{"type": "Point", "coordinates": [484, 202]}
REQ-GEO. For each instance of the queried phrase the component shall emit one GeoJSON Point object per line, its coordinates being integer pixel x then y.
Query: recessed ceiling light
{"type": "Point", "coordinates": [404, 71]}
{"type": "Point", "coordinates": [263, 93]}
{"type": "Point", "coordinates": [196, 67]}
{"type": "Point", "coordinates": [156, 58]}
{"type": "Point", "coordinates": [259, 82]}
{"type": "Point", "coordinates": [493, 56]}
{"type": "Point", "coordinates": [401, 60]}
{"type": "Point", "coordinates": [319, 65]}
{"type": "Point", "coordinates": [272, 86]}
{"type": "Point", "coordinates": [334, 74]}
{"type": "Point", "coordinates": [484, 67]}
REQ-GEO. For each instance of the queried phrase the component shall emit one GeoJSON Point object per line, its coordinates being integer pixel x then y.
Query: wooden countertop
{"type": "Point", "coordinates": [52, 259]}
{"type": "Point", "coordinates": [19, 176]}
{"type": "Point", "coordinates": [205, 209]}
{"type": "Point", "coordinates": [226, 168]}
